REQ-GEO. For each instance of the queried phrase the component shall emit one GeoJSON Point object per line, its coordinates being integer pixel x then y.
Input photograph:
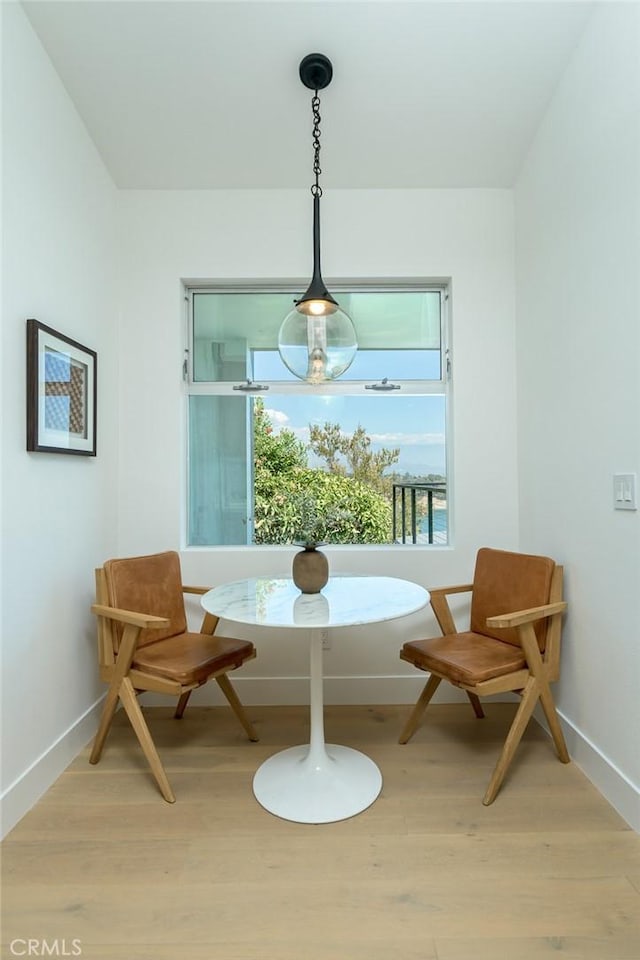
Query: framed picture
{"type": "Point", "coordinates": [61, 393]}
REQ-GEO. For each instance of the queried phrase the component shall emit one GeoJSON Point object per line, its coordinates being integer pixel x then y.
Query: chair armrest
{"type": "Point", "coordinates": [198, 590]}
{"type": "Point", "coordinates": [143, 620]}
{"type": "Point", "coordinates": [459, 588]}
{"type": "Point", "coordinates": [526, 616]}
{"type": "Point", "coordinates": [441, 609]}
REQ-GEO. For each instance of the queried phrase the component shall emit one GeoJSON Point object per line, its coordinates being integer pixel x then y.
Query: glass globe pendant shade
{"type": "Point", "coordinates": [317, 341]}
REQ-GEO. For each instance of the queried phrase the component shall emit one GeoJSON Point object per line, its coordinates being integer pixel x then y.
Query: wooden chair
{"type": "Point", "coordinates": [513, 644]}
{"type": "Point", "coordinates": [144, 644]}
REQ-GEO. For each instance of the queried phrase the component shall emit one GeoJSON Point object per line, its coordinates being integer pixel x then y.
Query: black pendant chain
{"type": "Point", "coordinates": [316, 189]}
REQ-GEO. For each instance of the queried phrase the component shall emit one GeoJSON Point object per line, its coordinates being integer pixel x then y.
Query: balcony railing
{"type": "Point", "coordinates": [405, 515]}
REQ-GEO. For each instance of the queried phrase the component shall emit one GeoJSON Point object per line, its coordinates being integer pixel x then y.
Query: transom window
{"type": "Point", "coordinates": [369, 450]}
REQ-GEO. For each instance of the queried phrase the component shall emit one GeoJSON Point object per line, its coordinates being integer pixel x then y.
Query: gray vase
{"type": "Point", "coordinates": [310, 570]}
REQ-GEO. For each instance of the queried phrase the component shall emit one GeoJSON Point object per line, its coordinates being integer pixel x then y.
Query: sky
{"type": "Point", "coordinates": [415, 424]}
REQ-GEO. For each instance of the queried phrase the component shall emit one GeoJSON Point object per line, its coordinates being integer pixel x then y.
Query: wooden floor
{"type": "Point", "coordinates": [548, 871]}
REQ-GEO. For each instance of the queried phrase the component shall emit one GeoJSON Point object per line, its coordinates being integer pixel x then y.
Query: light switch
{"type": "Point", "coordinates": [624, 491]}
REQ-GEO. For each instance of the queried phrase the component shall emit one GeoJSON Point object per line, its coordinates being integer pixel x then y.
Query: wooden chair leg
{"type": "Point", "coordinates": [532, 653]}
{"type": "Point", "coordinates": [530, 696]}
{"type": "Point", "coordinates": [131, 705]}
{"type": "Point", "coordinates": [123, 662]}
{"type": "Point", "coordinates": [477, 706]}
{"type": "Point", "coordinates": [553, 720]}
{"type": "Point", "coordinates": [108, 711]}
{"type": "Point", "coordinates": [410, 726]}
{"type": "Point", "coordinates": [225, 685]}
{"type": "Point", "coordinates": [182, 703]}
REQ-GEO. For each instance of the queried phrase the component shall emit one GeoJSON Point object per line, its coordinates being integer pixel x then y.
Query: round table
{"type": "Point", "coordinates": [316, 782]}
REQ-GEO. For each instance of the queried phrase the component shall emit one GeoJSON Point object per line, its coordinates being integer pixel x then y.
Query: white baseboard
{"type": "Point", "coordinates": [27, 789]}
{"type": "Point", "coordinates": [291, 691]}
{"type": "Point", "coordinates": [618, 790]}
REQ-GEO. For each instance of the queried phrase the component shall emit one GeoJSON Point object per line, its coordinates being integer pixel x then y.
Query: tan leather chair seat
{"type": "Point", "coordinates": [465, 657]}
{"type": "Point", "coordinates": [191, 657]}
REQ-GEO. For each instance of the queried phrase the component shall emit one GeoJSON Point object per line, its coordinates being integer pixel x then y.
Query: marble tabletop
{"type": "Point", "coordinates": [344, 601]}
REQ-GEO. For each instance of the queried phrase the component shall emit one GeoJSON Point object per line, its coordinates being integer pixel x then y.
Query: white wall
{"type": "Point", "coordinates": [465, 234]}
{"type": "Point", "coordinates": [58, 512]}
{"type": "Point", "coordinates": [578, 347]}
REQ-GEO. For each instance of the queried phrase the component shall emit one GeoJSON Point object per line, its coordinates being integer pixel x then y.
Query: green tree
{"type": "Point", "coordinates": [358, 514]}
{"type": "Point", "coordinates": [362, 463]}
{"type": "Point", "coordinates": [327, 443]}
{"type": "Point", "coordinates": [274, 453]}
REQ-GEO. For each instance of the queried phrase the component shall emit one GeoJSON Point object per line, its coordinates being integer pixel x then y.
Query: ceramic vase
{"type": "Point", "coordinates": [310, 570]}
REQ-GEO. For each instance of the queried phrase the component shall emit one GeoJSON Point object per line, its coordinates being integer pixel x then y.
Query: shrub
{"type": "Point", "coordinates": [355, 513]}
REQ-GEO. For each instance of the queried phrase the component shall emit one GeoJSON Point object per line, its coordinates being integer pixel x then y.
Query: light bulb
{"type": "Point", "coordinates": [317, 369]}
{"type": "Point", "coordinates": [317, 308]}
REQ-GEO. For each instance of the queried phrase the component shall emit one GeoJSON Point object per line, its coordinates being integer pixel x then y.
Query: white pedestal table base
{"type": "Point", "coordinates": [317, 786]}
{"type": "Point", "coordinates": [316, 782]}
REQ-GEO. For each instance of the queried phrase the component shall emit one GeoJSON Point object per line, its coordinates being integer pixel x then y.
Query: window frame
{"type": "Point", "coordinates": [440, 387]}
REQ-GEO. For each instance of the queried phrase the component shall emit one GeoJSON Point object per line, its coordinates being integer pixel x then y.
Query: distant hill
{"type": "Point", "coordinates": [417, 469]}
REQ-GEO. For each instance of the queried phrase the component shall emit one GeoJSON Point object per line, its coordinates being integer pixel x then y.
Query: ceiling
{"type": "Point", "coordinates": [198, 95]}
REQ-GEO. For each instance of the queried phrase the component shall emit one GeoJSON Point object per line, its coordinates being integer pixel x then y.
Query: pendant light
{"type": "Point", "coordinates": [317, 339]}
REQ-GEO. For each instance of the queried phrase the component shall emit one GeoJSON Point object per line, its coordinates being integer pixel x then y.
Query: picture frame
{"type": "Point", "coordinates": [61, 393]}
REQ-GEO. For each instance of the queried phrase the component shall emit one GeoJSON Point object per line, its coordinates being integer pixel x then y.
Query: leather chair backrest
{"type": "Point", "coordinates": [505, 582]}
{"type": "Point", "coordinates": [152, 585]}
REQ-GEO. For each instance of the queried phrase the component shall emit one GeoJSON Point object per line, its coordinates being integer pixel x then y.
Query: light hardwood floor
{"type": "Point", "coordinates": [427, 873]}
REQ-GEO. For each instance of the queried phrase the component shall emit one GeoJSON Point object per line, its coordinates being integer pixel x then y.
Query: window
{"type": "Point", "coordinates": [372, 444]}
